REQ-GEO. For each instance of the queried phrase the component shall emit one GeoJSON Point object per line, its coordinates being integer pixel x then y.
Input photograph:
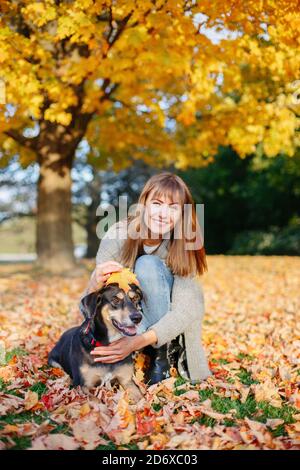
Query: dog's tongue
{"type": "Point", "coordinates": [130, 329]}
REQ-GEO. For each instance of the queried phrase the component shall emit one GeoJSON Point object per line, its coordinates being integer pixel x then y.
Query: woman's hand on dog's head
{"type": "Point", "coordinates": [104, 270]}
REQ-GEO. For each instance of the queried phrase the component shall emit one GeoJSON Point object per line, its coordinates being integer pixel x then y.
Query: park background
{"type": "Point", "coordinates": [97, 96]}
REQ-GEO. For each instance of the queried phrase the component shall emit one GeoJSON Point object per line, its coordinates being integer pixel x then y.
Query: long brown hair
{"type": "Point", "coordinates": [180, 261]}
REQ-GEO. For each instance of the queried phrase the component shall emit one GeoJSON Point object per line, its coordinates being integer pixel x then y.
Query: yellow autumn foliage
{"type": "Point", "coordinates": [167, 81]}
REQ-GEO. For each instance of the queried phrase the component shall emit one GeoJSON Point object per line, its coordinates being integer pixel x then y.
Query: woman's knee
{"type": "Point", "coordinates": [147, 263]}
{"type": "Point", "coordinates": [151, 268]}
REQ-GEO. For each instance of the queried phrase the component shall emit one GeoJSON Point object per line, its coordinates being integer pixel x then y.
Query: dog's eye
{"type": "Point", "coordinates": [116, 300]}
{"type": "Point", "coordinates": [136, 298]}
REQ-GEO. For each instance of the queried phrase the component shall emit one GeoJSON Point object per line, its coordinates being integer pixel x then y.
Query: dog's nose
{"type": "Point", "coordinates": [135, 317]}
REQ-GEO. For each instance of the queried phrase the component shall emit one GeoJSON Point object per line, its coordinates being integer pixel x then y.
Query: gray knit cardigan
{"type": "Point", "coordinates": [187, 305]}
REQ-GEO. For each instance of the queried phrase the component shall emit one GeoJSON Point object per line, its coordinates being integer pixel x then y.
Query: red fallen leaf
{"type": "Point", "coordinates": [211, 364]}
{"type": "Point", "coordinates": [144, 424]}
{"type": "Point", "coordinates": [26, 383]}
{"type": "Point", "coordinates": [42, 379]}
{"type": "Point", "coordinates": [221, 373]}
{"type": "Point", "coordinates": [57, 372]}
{"type": "Point", "coordinates": [48, 401]}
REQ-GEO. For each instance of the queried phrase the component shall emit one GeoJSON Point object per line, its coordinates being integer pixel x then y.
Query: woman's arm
{"type": "Point", "coordinates": [144, 339]}
{"type": "Point", "coordinates": [121, 348]}
{"type": "Point", "coordinates": [187, 309]}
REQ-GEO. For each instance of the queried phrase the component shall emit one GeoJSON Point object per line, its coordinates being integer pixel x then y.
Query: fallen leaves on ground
{"type": "Point", "coordinates": [251, 336]}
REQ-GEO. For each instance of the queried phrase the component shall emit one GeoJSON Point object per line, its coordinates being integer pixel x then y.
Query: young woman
{"type": "Point", "coordinates": [154, 244]}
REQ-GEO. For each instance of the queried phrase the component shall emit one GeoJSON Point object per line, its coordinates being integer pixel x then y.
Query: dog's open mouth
{"type": "Point", "coordinates": [126, 330]}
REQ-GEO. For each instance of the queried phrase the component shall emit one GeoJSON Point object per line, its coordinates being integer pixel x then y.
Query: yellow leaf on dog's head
{"type": "Point", "coordinates": [123, 278]}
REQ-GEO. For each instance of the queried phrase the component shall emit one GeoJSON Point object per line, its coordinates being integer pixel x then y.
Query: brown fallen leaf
{"type": "Point", "coordinates": [54, 442]}
{"type": "Point", "coordinates": [30, 400]}
{"type": "Point", "coordinates": [87, 432]}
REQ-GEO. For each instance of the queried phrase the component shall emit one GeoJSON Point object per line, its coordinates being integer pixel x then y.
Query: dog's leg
{"type": "Point", "coordinates": [53, 358]}
{"type": "Point", "coordinates": [124, 375]}
{"type": "Point", "coordinates": [134, 392]}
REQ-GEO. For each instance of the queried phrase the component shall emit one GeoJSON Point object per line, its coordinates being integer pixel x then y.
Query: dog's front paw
{"type": "Point", "coordinates": [134, 393]}
{"type": "Point", "coordinates": [85, 389]}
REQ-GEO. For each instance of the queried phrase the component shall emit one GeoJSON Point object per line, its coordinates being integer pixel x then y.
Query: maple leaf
{"type": "Point", "coordinates": [123, 278]}
{"type": "Point", "coordinates": [30, 400]}
{"type": "Point", "coordinates": [54, 442]}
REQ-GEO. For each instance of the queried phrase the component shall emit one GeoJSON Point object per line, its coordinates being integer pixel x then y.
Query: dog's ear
{"type": "Point", "coordinates": [89, 303]}
{"type": "Point", "coordinates": [137, 289]}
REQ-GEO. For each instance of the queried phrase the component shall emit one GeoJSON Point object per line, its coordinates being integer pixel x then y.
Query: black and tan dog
{"type": "Point", "coordinates": [110, 314]}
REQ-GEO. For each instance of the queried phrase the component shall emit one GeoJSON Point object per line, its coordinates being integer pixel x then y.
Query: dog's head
{"type": "Point", "coordinates": [116, 309]}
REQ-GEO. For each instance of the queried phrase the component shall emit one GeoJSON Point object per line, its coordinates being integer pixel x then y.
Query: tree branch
{"type": "Point", "coordinates": [17, 214]}
{"type": "Point", "coordinates": [26, 142]}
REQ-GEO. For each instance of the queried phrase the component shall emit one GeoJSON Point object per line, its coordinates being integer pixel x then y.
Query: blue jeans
{"type": "Point", "coordinates": [156, 281]}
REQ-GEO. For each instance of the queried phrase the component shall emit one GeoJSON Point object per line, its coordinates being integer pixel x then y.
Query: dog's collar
{"type": "Point", "coordinates": [96, 343]}
{"type": "Point", "coordinates": [90, 337]}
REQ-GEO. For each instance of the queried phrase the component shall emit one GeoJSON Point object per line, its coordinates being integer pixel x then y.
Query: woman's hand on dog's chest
{"type": "Point", "coordinates": [121, 348]}
{"type": "Point", "coordinates": [116, 351]}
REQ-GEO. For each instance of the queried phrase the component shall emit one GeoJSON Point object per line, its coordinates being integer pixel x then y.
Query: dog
{"type": "Point", "coordinates": [111, 313]}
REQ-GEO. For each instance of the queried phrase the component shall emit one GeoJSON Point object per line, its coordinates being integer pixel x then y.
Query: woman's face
{"type": "Point", "coordinates": [162, 213]}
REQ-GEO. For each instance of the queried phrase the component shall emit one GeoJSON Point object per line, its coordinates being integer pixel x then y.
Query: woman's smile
{"type": "Point", "coordinates": [161, 222]}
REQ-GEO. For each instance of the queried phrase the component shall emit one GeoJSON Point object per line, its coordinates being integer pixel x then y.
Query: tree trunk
{"type": "Point", "coordinates": [92, 219]}
{"type": "Point", "coordinates": [91, 226]}
{"type": "Point", "coordinates": [54, 242]}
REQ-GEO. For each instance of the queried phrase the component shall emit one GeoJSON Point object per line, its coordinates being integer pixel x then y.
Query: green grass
{"type": "Point", "coordinates": [206, 393]}
{"type": "Point", "coordinates": [179, 392]}
{"type": "Point", "coordinates": [61, 429]}
{"type": "Point", "coordinates": [285, 412]}
{"type": "Point", "coordinates": [220, 361]}
{"type": "Point", "coordinates": [109, 446]}
{"type": "Point", "coordinates": [24, 417]}
{"type": "Point", "coordinates": [4, 388]}
{"type": "Point", "coordinates": [24, 442]}
{"type": "Point", "coordinates": [258, 411]}
{"type": "Point", "coordinates": [21, 443]}
{"type": "Point", "coordinates": [179, 381]}
{"type": "Point", "coordinates": [131, 446]}
{"type": "Point", "coordinates": [242, 356]}
{"type": "Point", "coordinates": [40, 388]}
{"type": "Point", "coordinates": [156, 406]}
{"type": "Point", "coordinates": [206, 421]}
{"type": "Point", "coordinates": [246, 377]}
{"type": "Point", "coordinates": [4, 385]}
{"type": "Point", "coordinates": [229, 422]}
{"type": "Point", "coordinates": [14, 352]}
